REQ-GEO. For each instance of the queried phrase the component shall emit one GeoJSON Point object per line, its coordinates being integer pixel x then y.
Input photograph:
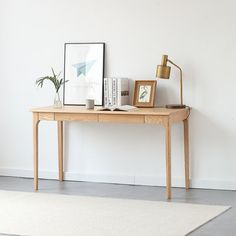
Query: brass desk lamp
{"type": "Point", "coordinates": [163, 72]}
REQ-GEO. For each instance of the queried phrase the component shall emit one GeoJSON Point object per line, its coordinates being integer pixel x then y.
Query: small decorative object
{"type": "Point", "coordinates": [57, 84]}
{"type": "Point", "coordinates": [144, 93]}
{"type": "Point", "coordinates": [84, 68]}
{"type": "Point", "coordinates": [89, 103]}
{"type": "Point", "coordinates": [163, 72]}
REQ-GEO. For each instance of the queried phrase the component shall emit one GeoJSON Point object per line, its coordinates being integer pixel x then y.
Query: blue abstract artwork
{"type": "Point", "coordinates": [84, 67]}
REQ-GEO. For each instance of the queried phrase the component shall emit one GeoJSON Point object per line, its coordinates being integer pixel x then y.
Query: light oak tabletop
{"type": "Point", "coordinates": [81, 109]}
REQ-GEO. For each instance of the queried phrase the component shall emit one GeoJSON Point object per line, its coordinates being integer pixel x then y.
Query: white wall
{"type": "Point", "coordinates": [200, 36]}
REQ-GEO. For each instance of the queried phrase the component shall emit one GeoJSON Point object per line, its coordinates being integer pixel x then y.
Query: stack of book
{"type": "Point", "coordinates": [116, 92]}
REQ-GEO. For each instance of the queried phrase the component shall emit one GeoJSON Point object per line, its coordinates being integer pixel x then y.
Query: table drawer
{"type": "Point", "coordinates": [76, 117]}
{"type": "Point", "coordinates": [46, 116]}
{"type": "Point", "coordinates": [154, 119]}
{"type": "Point", "coordinates": [121, 118]}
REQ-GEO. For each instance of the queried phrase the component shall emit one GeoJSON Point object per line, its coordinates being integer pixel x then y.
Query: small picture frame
{"type": "Point", "coordinates": [144, 93]}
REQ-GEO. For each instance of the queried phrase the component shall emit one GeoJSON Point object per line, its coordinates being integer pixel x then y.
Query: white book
{"type": "Point", "coordinates": [119, 108]}
{"type": "Point", "coordinates": [110, 102]}
{"type": "Point", "coordinates": [105, 92]}
{"type": "Point", "coordinates": [114, 92]}
{"type": "Point", "coordinates": [122, 91]}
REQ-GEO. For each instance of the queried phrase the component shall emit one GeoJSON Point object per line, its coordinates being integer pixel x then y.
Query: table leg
{"type": "Point", "coordinates": [186, 153]}
{"type": "Point", "coordinates": [168, 160]}
{"type": "Point", "coordinates": [60, 149]}
{"type": "Point", "coordinates": [35, 148]}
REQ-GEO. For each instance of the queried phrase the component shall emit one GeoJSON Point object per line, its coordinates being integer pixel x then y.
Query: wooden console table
{"type": "Point", "coordinates": [161, 116]}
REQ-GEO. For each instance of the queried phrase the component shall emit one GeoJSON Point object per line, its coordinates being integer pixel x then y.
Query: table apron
{"type": "Point", "coordinates": [114, 118]}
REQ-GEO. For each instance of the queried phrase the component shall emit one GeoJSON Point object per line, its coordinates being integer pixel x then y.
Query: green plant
{"type": "Point", "coordinates": [54, 79]}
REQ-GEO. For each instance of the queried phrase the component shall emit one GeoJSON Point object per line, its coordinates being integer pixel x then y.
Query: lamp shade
{"type": "Point", "coordinates": [163, 72]}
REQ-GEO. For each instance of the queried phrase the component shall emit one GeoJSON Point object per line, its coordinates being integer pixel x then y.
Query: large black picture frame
{"type": "Point", "coordinates": [84, 65]}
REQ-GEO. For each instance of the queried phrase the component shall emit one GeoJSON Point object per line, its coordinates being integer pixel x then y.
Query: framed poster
{"type": "Point", "coordinates": [144, 93]}
{"type": "Point", "coordinates": [84, 70]}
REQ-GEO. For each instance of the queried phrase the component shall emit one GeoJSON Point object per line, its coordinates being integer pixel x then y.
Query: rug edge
{"type": "Point", "coordinates": [198, 227]}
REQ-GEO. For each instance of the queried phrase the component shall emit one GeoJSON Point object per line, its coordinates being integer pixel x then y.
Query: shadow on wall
{"type": "Point", "coordinates": [209, 140]}
{"type": "Point", "coordinates": [163, 95]}
{"type": "Point", "coordinates": [120, 147]}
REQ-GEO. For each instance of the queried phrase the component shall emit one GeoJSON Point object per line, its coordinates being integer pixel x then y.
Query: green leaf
{"type": "Point", "coordinates": [54, 75]}
{"type": "Point", "coordinates": [54, 80]}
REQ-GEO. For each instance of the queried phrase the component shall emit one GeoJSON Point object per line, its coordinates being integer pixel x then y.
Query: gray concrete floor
{"type": "Point", "coordinates": [224, 224]}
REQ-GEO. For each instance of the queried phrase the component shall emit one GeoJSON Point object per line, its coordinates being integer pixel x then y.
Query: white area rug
{"type": "Point", "coordinates": [43, 214]}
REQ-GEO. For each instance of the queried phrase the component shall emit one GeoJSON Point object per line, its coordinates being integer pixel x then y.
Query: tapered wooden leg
{"type": "Point", "coordinates": [60, 149]}
{"type": "Point", "coordinates": [35, 147]}
{"type": "Point", "coordinates": [168, 160]}
{"type": "Point", "coordinates": [186, 153]}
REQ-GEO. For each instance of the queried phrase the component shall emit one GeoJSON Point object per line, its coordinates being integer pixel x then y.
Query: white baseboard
{"type": "Point", "coordinates": [124, 179]}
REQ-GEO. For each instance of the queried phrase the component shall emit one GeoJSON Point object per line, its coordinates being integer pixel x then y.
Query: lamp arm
{"type": "Point", "coordinates": [181, 80]}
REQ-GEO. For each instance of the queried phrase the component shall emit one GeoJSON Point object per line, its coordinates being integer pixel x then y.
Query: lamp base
{"type": "Point", "coordinates": [175, 106]}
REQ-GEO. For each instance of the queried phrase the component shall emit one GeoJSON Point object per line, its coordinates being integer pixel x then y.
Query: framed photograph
{"type": "Point", "coordinates": [144, 93]}
{"type": "Point", "coordinates": [84, 70]}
